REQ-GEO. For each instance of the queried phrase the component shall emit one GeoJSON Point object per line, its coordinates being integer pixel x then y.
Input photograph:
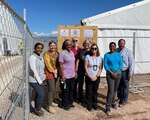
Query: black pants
{"type": "Point", "coordinates": [67, 93]}
{"type": "Point", "coordinates": [92, 87]}
{"type": "Point", "coordinates": [75, 88]}
{"type": "Point", "coordinates": [81, 83]}
{"type": "Point", "coordinates": [112, 89]}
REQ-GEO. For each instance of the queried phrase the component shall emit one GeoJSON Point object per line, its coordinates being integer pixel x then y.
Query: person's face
{"type": "Point", "coordinates": [94, 49]}
{"type": "Point", "coordinates": [39, 49]}
{"type": "Point", "coordinates": [74, 42]}
{"type": "Point", "coordinates": [112, 48]}
{"type": "Point", "coordinates": [52, 47]}
{"type": "Point", "coordinates": [121, 44]}
{"type": "Point", "coordinates": [68, 46]}
{"type": "Point", "coordinates": [86, 45]}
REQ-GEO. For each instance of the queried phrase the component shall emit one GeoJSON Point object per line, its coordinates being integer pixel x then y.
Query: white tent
{"type": "Point", "coordinates": [10, 31]}
{"type": "Point", "coordinates": [132, 23]}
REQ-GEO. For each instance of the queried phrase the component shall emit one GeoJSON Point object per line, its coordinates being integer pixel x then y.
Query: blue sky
{"type": "Point", "coordinates": [44, 16]}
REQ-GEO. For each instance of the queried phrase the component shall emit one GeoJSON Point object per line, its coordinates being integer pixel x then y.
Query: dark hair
{"type": "Point", "coordinates": [64, 44]}
{"type": "Point", "coordinates": [112, 43]}
{"type": "Point", "coordinates": [121, 40]}
{"type": "Point", "coordinates": [38, 44]}
{"type": "Point", "coordinates": [91, 53]}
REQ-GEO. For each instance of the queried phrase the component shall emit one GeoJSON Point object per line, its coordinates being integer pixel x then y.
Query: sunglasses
{"type": "Point", "coordinates": [75, 40]}
{"type": "Point", "coordinates": [93, 48]}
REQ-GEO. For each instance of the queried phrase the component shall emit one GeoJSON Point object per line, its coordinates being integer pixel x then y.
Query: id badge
{"type": "Point", "coordinates": [95, 67]}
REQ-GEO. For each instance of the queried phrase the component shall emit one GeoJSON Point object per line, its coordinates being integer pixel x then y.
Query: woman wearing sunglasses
{"type": "Point", "coordinates": [93, 66]}
{"type": "Point", "coordinates": [113, 65]}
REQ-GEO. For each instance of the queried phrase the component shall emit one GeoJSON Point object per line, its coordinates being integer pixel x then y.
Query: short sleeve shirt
{"type": "Point", "coordinates": [93, 64]}
{"type": "Point", "coordinates": [81, 56]}
{"type": "Point", "coordinates": [68, 60]}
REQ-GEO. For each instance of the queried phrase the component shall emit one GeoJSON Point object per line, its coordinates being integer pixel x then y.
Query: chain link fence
{"type": "Point", "coordinates": [16, 44]}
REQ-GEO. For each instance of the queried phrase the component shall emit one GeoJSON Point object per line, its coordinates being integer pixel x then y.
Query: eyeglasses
{"type": "Point", "coordinates": [74, 40]}
{"type": "Point", "coordinates": [93, 48]}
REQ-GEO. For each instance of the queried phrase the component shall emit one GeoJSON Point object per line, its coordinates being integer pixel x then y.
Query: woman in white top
{"type": "Point", "coordinates": [37, 76]}
{"type": "Point", "coordinates": [93, 67]}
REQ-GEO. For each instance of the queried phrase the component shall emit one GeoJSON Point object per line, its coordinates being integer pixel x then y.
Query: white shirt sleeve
{"type": "Point", "coordinates": [32, 63]}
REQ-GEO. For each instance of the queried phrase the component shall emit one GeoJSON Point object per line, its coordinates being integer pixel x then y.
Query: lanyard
{"type": "Point", "coordinates": [94, 60]}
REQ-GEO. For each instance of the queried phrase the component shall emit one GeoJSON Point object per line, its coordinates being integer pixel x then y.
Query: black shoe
{"type": "Point", "coordinates": [66, 107]}
{"type": "Point", "coordinates": [114, 106]}
{"type": "Point", "coordinates": [72, 105]}
{"type": "Point", "coordinates": [95, 107]}
{"type": "Point", "coordinates": [63, 106]}
{"type": "Point", "coordinates": [89, 108]}
{"type": "Point", "coordinates": [39, 112]}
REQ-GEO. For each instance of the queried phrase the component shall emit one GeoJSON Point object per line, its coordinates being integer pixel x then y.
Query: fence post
{"type": "Point", "coordinates": [26, 54]}
{"type": "Point", "coordinates": [132, 88]}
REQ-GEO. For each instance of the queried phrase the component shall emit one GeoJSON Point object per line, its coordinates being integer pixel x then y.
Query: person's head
{"type": "Point", "coordinates": [74, 42]}
{"type": "Point", "coordinates": [52, 46]}
{"type": "Point", "coordinates": [94, 50]}
{"type": "Point", "coordinates": [112, 47]}
{"type": "Point", "coordinates": [121, 43]}
{"type": "Point", "coordinates": [38, 48]}
{"type": "Point", "coordinates": [87, 44]}
{"type": "Point", "coordinates": [67, 44]}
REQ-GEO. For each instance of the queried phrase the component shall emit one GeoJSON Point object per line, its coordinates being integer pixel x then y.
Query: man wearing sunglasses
{"type": "Point", "coordinates": [75, 48]}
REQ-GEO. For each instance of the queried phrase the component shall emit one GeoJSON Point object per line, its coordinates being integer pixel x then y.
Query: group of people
{"type": "Point", "coordinates": [76, 66]}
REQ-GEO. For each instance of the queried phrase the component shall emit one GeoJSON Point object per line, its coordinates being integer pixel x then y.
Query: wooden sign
{"type": "Point", "coordinates": [79, 32]}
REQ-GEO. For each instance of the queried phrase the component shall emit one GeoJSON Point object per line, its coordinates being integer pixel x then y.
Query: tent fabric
{"type": "Point", "coordinates": [135, 16]}
{"type": "Point", "coordinates": [131, 23]}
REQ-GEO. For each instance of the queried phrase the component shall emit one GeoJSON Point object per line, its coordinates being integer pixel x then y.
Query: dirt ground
{"type": "Point", "coordinates": [138, 108]}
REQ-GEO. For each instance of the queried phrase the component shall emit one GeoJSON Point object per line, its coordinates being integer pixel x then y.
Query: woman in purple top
{"type": "Point", "coordinates": [67, 69]}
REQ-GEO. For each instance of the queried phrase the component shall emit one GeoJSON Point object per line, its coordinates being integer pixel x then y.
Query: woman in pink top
{"type": "Point", "coordinates": [67, 69]}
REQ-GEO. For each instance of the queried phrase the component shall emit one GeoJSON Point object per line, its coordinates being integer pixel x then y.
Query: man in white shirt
{"type": "Point", "coordinates": [127, 72]}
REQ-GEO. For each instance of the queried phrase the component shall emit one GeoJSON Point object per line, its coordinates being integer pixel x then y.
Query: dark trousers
{"type": "Point", "coordinates": [91, 89]}
{"type": "Point", "coordinates": [112, 89]}
{"type": "Point", "coordinates": [123, 89]}
{"type": "Point", "coordinates": [81, 83]}
{"type": "Point", "coordinates": [39, 95]}
{"type": "Point", "coordinates": [75, 87]}
{"type": "Point", "coordinates": [67, 93]}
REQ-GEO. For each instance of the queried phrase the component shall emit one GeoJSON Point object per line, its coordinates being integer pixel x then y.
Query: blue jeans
{"type": "Point", "coordinates": [123, 90]}
{"type": "Point", "coordinates": [39, 95]}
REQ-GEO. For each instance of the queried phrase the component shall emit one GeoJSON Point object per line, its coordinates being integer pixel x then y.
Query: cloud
{"type": "Point", "coordinates": [40, 34]}
{"type": "Point", "coordinates": [52, 34]}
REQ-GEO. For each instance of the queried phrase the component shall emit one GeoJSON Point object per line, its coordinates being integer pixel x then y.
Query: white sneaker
{"type": "Point", "coordinates": [51, 109]}
{"type": "Point", "coordinates": [54, 104]}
